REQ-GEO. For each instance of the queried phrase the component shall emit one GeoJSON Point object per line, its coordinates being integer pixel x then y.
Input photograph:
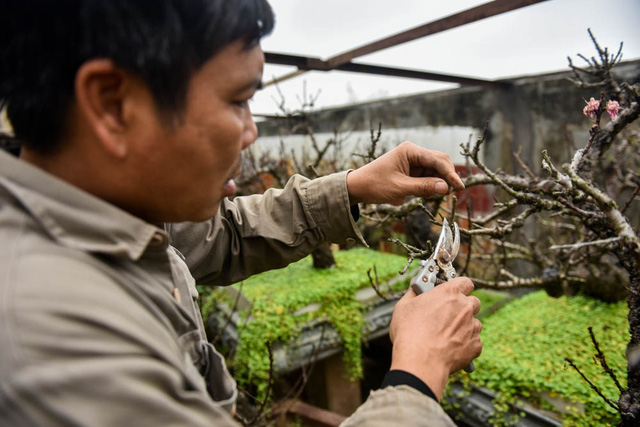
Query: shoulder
{"type": "Point", "coordinates": [59, 302]}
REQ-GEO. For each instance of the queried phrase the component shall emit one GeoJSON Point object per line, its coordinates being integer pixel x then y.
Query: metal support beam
{"type": "Point", "coordinates": [468, 16]}
{"type": "Point", "coordinates": [474, 14]}
{"type": "Point", "coordinates": [304, 63]}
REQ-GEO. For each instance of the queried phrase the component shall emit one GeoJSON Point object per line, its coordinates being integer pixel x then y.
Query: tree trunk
{"type": "Point", "coordinates": [630, 398]}
{"type": "Point", "coordinates": [323, 257]}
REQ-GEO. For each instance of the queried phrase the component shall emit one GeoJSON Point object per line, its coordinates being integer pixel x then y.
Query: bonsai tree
{"type": "Point", "coordinates": [586, 237]}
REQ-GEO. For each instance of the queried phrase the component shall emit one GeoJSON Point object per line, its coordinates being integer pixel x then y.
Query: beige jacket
{"type": "Point", "coordinates": [98, 320]}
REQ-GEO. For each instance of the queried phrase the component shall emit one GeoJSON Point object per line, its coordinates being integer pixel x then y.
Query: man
{"type": "Point", "coordinates": [133, 116]}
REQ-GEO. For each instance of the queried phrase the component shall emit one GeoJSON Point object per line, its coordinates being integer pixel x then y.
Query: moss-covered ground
{"type": "Point", "coordinates": [525, 342]}
{"type": "Point", "coordinates": [525, 346]}
{"type": "Point", "coordinates": [276, 295]}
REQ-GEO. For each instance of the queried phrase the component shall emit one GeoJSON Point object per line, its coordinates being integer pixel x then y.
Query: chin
{"type": "Point", "coordinates": [205, 214]}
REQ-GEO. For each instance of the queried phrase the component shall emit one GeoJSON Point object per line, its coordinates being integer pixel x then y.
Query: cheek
{"type": "Point", "coordinates": [228, 139]}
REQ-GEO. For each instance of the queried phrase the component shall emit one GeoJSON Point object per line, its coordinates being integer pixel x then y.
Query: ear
{"type": "Point", "coordinates": [102, 93]}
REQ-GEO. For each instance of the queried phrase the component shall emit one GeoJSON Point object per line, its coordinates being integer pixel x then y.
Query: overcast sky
{"type": "Point", "coordinates": [531, 40]}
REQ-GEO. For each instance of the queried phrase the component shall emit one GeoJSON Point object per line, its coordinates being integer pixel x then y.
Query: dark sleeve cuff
{"type": "Point", "coordinates": [355, 212]}
{"type": "Point", "coordinates": [398, 377]}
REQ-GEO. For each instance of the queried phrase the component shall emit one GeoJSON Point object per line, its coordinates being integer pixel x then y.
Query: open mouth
{"type": "Point", "coordinates": [229, 186]}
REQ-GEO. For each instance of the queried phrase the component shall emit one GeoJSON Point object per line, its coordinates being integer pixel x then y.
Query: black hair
{"type": "Point", "coordinates": [164, 42]}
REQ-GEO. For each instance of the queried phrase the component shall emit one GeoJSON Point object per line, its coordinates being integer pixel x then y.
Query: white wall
{"type": "Point", "coordinates": [442, 138]}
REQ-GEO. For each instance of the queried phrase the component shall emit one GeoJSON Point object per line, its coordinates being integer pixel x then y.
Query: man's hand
{"type": "Point", "coordinates": [407, 170]}
{"type": "Point", "coordinates": [436, 334]}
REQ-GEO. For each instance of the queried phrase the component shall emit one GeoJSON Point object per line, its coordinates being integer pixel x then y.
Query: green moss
{"type": "Point", "coordinates": [526, 343]}
{"type": "Point", "coordinates": [276, 295]}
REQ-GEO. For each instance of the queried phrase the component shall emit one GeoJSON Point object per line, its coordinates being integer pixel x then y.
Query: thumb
{"type": "Point", "coordinates": [426, 187]}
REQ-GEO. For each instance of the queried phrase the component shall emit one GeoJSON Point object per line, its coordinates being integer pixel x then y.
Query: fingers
{"type": "Point", "coordinates": [462, 284]}
{"type": "Point", "coordinates": [477, 326]}
{"type": "Point", "coordinates": [475, 302]}
{"type": "Point", "coordinates": [426, 187]}
{"type": "Point", "coordinates": [410, 292]}
{"type": "Point", "coordinates": [437, 161]}
{"type": "Point", "coordinates": [443, 166]}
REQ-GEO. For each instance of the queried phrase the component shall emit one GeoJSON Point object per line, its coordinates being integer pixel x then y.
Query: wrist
{"type": "Point", "coordinates": [397, 378]}
{"type": "Point", "coordinates": [353, 187]}
{"type": "Point", "coordinates": [433, 372]}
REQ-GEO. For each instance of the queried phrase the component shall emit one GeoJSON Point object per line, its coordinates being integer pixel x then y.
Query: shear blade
{"type": "Point", "coordinates": [456, 242]}
{"type": "Point", "coordinates": [442, 240]}
{"type": "Point", "coordinates": [449, 241]}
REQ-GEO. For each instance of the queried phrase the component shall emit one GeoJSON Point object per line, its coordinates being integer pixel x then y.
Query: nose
{"type": "Point", "coordinates": [250, 133]}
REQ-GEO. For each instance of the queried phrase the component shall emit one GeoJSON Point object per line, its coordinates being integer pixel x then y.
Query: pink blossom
{"type": "Point", "coordinates": [612, 109]}
{"type": "Point", "coordinates": [591, 108]}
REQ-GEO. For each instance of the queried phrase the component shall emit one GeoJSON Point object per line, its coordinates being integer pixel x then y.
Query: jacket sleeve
{"type": "Point", "coordinates": [261, 232]}
{"type": "Point", "coordinates": [81, 350]}
{"type": "Point", "coordinates": [399, 406]}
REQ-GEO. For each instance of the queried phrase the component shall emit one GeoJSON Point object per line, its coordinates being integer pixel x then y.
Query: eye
{"type": "Point", "coordinates": [241, 104]}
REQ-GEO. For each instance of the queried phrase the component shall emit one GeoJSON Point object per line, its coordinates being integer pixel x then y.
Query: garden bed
{"type": "Point", "coordinates": [305, 314]}
{"type": "Point", "coordinates": [522, 376]}
{"type": "Point", "coordinates": [523, 362]}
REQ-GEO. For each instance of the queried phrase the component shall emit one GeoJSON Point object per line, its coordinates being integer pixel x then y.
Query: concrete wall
{"type": "Point", "coordinates": [536, 112]}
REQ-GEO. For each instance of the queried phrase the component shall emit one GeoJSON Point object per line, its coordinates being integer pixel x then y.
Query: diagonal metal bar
{"type": "Point", "coordinates": [307, 63]}
{"type": "Point", "coordinates": [468, 16]}
{"type": "Point", "coordinates": [422, 75]}
{"type": "Point", "coordinates": [474, 14]}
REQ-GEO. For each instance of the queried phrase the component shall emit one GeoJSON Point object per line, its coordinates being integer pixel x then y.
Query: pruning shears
{"type": "Point", "coordinates": [438, 268]}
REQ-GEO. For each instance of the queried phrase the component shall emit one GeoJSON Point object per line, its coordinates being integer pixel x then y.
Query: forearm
{"type": "Point", "coordinates": [399, 406]}
{"type": "Point", "coordinates": [261, 232]}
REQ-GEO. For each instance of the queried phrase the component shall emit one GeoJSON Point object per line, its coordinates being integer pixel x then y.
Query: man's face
{"type": "Point", "coordinates": [184, 170]}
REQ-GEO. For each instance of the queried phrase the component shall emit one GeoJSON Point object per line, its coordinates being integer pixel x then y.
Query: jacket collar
{"type": "Point", "coordinates": [75, 218]}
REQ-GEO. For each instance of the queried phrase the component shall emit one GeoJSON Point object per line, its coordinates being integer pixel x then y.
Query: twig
{"type": "Point", "coordinates": [507, 227]}
{"type": "Point", "coordinates": [263, 404]}
{"type": "Point", "coordinates": [454, 204]}
{"type": "Point", "coordinates": [592, 385]}
{"type": "Point", "coordinates": [396, 212]}
{"type": "Point", "coordinates": [469, 215]}
{"type": "Point", "coordinates": [603, 361]}
{"type": "Point", "coordinates": [523, 165]}
{"type": "Point", "coordinates": [301, 383]}
{"type": "Point", "coordinates": [520, 282]}
{"type": "Point", "coordinates": [584, 244]}
{"type": "Point", "coordinates": [522, 197]}
{"type": "Point", "coordinates": [633, 196]}
{"type": "Point", "coordinates": [412, 252]}
{"type": "Point", "coordinates": [609, 208]}
{"type": "Point", "coordinates": [233, 310]}
{"type": "Point", "coordinates": [375, 284]}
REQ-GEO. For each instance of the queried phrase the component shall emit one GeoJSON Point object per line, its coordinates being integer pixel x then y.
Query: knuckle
{"type": "Point", "coordinates": [426, 187]}
{"type": "Point", "coordinates": [468, 309]}
{"type": "Point", "coordinates": [477, 303]}
{"type": "Point", "coordinates": [445, 157]}
{"type": "Point", "coordinates": [464, 283]}
{"type": "Point", "coordinates": [479, 350]}
{"type": "Point", "coordinates": [441, 160]}
{"type": "Point", "coordinates": [405, 145]}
